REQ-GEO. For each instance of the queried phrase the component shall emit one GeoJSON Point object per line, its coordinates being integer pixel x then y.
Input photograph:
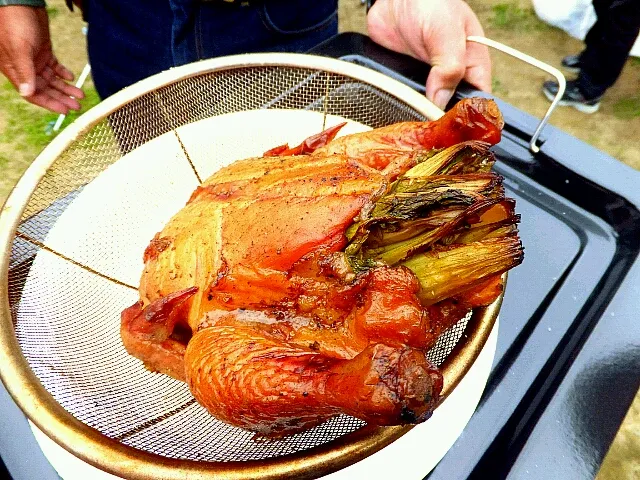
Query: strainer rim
{"type": "Point", "coordinates": [110, 455]}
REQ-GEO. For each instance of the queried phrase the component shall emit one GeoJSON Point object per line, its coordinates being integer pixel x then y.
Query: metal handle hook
{"type": "Point", "coordinates": [562, 83]}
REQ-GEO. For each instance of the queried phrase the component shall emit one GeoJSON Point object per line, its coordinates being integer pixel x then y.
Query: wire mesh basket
{"type": "Point", "coordinates": [71, 266]}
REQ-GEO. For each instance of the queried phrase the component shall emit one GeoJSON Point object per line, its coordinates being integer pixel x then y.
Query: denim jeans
{"type": "Point", "coordinates": [129, 40]}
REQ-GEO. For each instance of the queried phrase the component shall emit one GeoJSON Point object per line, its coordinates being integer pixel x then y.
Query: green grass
{"type": "Point", "coordinates": [635, 61]}
{"type": "Point", "coordinates": [627, 108]}
{"type": "Point", "coordinates": [498, 89]}
{"type": "Point", "coordinates": [53, 12]}
{"type": "Point", "coordinates": [510, 16]}
{"type": "Point", "coordinates": [28, 128]}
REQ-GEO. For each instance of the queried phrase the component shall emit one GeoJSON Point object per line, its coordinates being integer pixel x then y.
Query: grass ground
{"type": "Point", "coordinates": [615, 129]}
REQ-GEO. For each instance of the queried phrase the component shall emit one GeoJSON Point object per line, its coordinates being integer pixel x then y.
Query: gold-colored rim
{"type": "Point", "coordinates": [107, 454]}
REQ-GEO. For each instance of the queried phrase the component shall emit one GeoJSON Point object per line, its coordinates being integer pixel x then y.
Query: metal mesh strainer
{"type": "Point", "coordinates": [64, 293]}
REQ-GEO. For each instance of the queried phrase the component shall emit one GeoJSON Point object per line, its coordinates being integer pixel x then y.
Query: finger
{"type": "Point", "coordinates": [447, 54]}
{"type": "Point", "coordinates": [41, 99]}
{"type": "Point", "coordinates": [69, 90]}
{"type": "Point", "coordinates": [42, 86]}
{"type": "Point", "coordinates": [381, 28]}
{"type": "Point", "coordinates": [46, 88]}
{"type": "Point", "coordinates": [47, 73]}
{"type": "Point", "coordinates": [478, 60]}
{"type": "Point", "coordinates": [65, 88]}
{"type": "Point", "coordinates": [22, 74]}
{"type": "Point", "coordinates": [70, 102]}
{"type": "Point", "coordinates": [60, 70]}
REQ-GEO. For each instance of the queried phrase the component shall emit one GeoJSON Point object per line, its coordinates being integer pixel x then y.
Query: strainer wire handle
{"type": "Point", "coordinates": [562, 83]}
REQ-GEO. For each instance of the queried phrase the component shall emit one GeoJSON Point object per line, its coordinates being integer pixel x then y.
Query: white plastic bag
{"type": "Point", "coordinates": [576, 17]}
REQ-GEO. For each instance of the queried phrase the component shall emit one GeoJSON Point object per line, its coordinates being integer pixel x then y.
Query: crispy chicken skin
{"type": "Point", "coordinates": [471, 119]}
{"type": "Point", "coordinates": [311, 281]}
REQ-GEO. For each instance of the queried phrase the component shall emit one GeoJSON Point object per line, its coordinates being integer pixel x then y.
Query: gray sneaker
{"type": "Point", "coordinates": [572, 97]}
{"type": "Point", "coordinates": [572, 63]}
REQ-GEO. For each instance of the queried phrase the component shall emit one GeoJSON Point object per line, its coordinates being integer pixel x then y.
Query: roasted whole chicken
{"type": "Point", "coordinates": [311, 281]}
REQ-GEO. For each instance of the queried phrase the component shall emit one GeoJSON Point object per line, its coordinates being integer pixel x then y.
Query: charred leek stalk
{"type": "Point", "coordinates": [446, 219]}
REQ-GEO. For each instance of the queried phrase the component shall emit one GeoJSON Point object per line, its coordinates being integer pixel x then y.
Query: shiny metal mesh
{"type": "Point", "coordinates": [75, 349]}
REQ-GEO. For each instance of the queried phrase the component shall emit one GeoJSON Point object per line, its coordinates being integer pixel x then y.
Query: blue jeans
{"type": "Point", "coordinates": [129, 40]}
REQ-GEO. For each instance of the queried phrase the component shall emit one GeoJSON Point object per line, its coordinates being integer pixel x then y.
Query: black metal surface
{"type": "Point", "coordinates": [566, 367]}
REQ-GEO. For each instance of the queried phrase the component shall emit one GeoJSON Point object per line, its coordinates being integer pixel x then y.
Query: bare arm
{"type": "Point", "coordinates": [27, 59]}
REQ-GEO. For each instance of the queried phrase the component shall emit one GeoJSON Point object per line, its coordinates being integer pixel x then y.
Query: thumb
{"type": "Point", "coordinates": [442, 81]}
{"type": "Point", "coordinates": [25, 74]}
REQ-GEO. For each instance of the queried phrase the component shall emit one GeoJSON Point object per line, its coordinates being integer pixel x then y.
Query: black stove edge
{"type": "Point", "coordinates": [530, 426]}
{"type": "Point", "coordinates": [547, 419]}
{"type": "Point", "coordinates": [604, 347]}
{"type": "Point", "coordinates": [578, 420]}
{"type": "Point", "coordinates": [598, 365]}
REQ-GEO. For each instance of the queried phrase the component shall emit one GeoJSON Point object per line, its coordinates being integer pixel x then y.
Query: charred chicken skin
{"type": "Point", "coordinates": [311, 281]}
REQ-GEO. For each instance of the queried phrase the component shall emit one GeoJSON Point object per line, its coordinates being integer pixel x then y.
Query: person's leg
{"type": "Point", "coordinates": [128, 40]}
{"type": "Point", "coordinates": [573, 63]}
{"type": "Point", "coordinates": [607, 47]}
{"type": "Point", "coordinates": [298, 26]}
{"type": "Point", "coordinates": [205, 29]}
{"type": "Point", "coordinates": [605, 56]}
{"type": "Point", "coordinates": [594, 34]}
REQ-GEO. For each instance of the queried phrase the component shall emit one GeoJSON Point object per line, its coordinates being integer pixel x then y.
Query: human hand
{"type": "Point", "coordinates": [27, 60]}
{"type": "Point", "coordinates": [435, 32]}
